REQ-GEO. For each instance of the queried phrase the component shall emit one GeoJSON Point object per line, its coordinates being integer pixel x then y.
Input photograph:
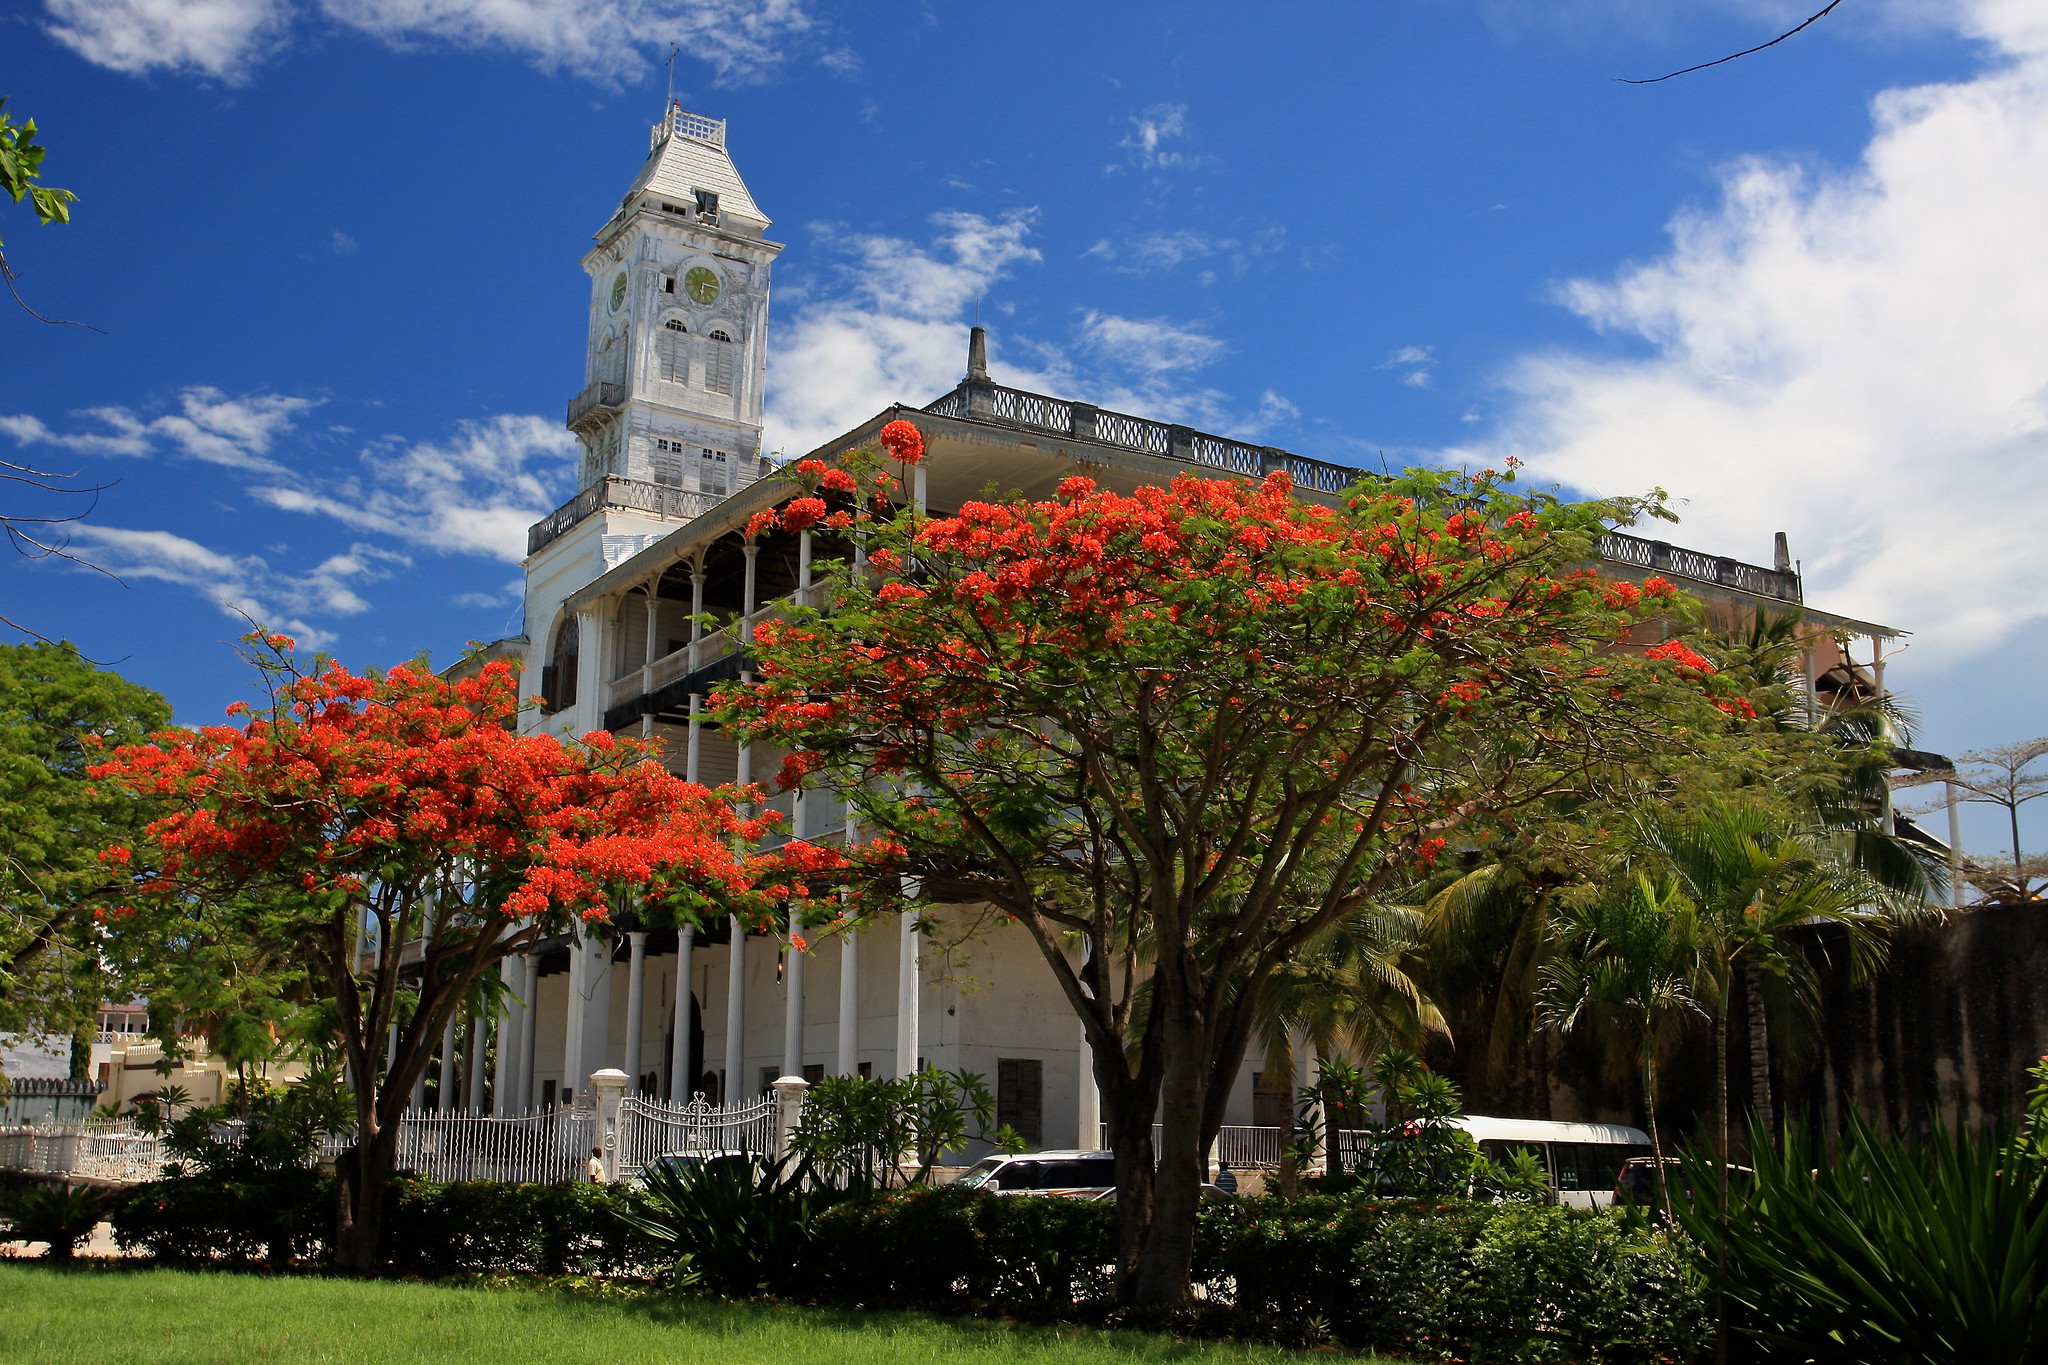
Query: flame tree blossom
{"type": "Point", "coordinates": [1189, 728]}
{"type": "Point", "coordinates": [365, 818]}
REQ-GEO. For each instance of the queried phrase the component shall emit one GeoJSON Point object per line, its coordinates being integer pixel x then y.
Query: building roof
{"type": "Point", "coordinates": [686, 153]}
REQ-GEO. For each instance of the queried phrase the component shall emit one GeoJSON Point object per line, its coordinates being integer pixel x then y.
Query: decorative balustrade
{"type": "Point", "coordinates": [632, 495]}
{"type": "Point", "coordinates": [601, 396]}
{"type": "Point", "coordinates": [1659, 557]}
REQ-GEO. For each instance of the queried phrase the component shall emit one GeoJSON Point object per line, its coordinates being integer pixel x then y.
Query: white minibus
{"type": "Point", "coordinates": [1581, 1159]}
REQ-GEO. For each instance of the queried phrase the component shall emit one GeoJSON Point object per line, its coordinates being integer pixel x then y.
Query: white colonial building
{"type": "Point", "coordinates": [618, 583]}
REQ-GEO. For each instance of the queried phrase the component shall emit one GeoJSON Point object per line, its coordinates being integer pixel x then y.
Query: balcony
{"type": "Point", "coordinates": [1670, 560]}
{"type": "Point", "coordinates": [630, 495]}
{"type": "Point", "coordinates": [600, 399]}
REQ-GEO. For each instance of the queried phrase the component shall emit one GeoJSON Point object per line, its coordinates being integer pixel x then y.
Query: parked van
{"type": "Point", "coordinates": [1069, 1173]}
{"type": "Point", "coordinates": [1583, 1160]}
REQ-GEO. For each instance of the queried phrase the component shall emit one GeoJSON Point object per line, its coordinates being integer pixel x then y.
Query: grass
{"type": "Point", "coordinates": [93, 1316]}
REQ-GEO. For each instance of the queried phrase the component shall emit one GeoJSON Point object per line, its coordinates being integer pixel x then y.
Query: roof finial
{"type": "Point", "coordinates": [1781, 555]}
{"type": "Point", "coordinates": [977, 355]}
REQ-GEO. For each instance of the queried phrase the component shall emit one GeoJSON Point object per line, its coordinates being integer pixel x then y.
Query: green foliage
{"type": "Point", "coordinates": [483, 1226]}
{"type": "Point", "coordinates": [858, 1131]}
{"type": "Point", "coordinates": [277, 1217]}
{"type": "Point", "coordinates": [54, 709]}
{"type": "Point", "coordinates": [1415, 1151]}
{"type": "Point", "coordinates": [1919, 1250]}
{"type": "Point", "coordinates": [1460, 1280]}
{"type": "Point", "coordinates": [61, 1216]}
{"type": "Point", "coordinates": [261, 1130]}
{"type": "Point", "coordinates": [739, 1226]}
{"type": "Point", "coordinates": [944, 1247]}
{"type": "Point", "coordinates": [21, 160]}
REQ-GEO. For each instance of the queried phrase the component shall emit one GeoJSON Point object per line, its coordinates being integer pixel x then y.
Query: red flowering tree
{"type": "Point", "coordinates": [384, 840]}
{"type": "Point", "coordinates": [1177, 733]}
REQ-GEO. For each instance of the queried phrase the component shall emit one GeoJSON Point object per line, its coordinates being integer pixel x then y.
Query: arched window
{"type": "Point", "coordinates": [558, 676]}
{"type": "Point", "coordinates": [719, 364]}
{"type": "Point", "coordinates": [672, 352]}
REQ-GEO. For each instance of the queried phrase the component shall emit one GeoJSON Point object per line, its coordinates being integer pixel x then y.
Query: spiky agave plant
{"type": "Point", "coordinates": [1929, 1250]}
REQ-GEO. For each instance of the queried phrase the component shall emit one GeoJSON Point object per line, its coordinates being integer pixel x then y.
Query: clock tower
{"type": "Point", "coordinates": [677, 350]}
{"type": "Point", "coordinates": [668, 421]}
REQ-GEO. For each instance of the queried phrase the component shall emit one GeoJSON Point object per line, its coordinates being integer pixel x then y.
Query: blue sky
{"type": "Point", "coordinates": [333, 246]}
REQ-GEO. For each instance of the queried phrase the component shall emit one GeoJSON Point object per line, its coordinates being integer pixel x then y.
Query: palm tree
{"type": "Point", "coordinates": [1345, 991]}
{"type": "Point", "coordinates": [1756, 875]}
{"type": "Point", "coordinates": [1627, 961]}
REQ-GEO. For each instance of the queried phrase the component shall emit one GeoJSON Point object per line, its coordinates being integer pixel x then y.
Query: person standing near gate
{"type": "Point", "coordinates": [597, 1165]}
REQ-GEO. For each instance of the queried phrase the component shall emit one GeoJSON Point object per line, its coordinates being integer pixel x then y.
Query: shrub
{"type": "Point", "coordinates": [1893, 1249]}
{"type": "Point", "coordinates": [459, 1227]}
{"type": "Point", "coordinates": [739, 1226]}
{"type": "Point", "coordinates": [277, 1216]}
{"type": "Point", "coordinates": [61, 1216]}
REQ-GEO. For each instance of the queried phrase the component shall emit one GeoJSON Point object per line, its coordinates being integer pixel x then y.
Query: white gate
{"type": "Point", "coordinates": [649, 1128]}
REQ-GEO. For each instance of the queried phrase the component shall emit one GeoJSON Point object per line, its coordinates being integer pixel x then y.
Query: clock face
{"type": "Point", "coordinates": [701, 284]}
{"type": "Point", "coordinates": [619, 292]}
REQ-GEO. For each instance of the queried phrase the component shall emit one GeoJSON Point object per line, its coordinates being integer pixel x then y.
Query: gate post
{"type": "Point", "coordinates": [609, 1088]}
{"type": "Point", "coordinates": [789, 1107]}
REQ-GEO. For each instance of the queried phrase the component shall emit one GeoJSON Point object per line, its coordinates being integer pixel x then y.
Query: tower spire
{"type": "Point", "coordinates": [977, 355]}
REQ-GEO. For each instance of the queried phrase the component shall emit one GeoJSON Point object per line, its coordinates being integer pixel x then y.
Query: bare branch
{"type": "Point", "coordinates": [1814, 19]}
{"type": "Point", "coordinates": [7, 274]}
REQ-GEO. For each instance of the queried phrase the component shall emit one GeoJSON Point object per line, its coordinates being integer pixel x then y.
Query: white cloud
{"type": "Point", "coordinates": [887, 328]}
{"type": "Point", "coordinates": [1150, 346]}
{"type": "Point", "coordinates": [218, 38]}
{"type": "Point", "coordinates": [475, 494]}
{"type": "Point", "coordinates": [208, 426]}
{"type": "Point", "coordinates": [1151, 131]}
{"type": "Point", "coordinates": [243, 585]}
{"type": "Point", "coordinates": [890, 327]}
{"type": "Point", "coordinates": [341, 243]}
{"type": "Point", "coordinates": [1419, 363]}
{"type": "Point", "coordinates": [605, 40]}
{"type": "Point", "coordinates": [1857, 357]}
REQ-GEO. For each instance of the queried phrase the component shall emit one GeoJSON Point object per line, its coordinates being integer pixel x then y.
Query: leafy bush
{"type": "Point", "coordinates": [1894, 1249]}
{"type": "Point", "coordinates": [458, 1227]}
{"type": "Point", "coordinates": [951, 1248]}
{"type": "Point", "coordinates": [856, 1130]}
{"type": "Point", "coordinates": [277, 1216]}
{"type": "Point", "coordinates": [61, 1216]}
{"type": "Point", "coordinates": [739, 1226]}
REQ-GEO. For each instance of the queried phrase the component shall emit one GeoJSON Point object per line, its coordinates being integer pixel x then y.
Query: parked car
{"type": "Point", "coordinates": [1637, 1183]}
{"type": "Point", "coordinates": [1072, 1173]}
{"type": "Point", "coordinates": [682, 1163]}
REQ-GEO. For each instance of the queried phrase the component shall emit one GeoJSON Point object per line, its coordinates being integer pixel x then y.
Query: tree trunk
{"type": "Point", "coordinates": [1159, 1276]}
{"type": "Point", "coordinates": [1290, 1178]}
{"type": "Point", "coordinates": [362, 1228]}
{"type": "Point", "coordinates": [1650, 1111]}
{"type": "Point", "coordinates": [1759, 1051]}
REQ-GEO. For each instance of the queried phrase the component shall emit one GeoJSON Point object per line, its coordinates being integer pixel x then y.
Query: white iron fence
{"type": "Point", "coordinates": [543, 1147]}
{"type": "Point", "coordinates": [649, 1128]}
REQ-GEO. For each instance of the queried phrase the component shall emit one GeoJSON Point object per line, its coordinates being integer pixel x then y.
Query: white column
{"type": "Point", "coordinates": [529, 1031]}
{"type": "Point", "coordinates": [515, 1002]}
{"type": "Point", "coordinates": [590, 670]}
{"type": "Point", "coordinates": [793, 1001]}
{"type": "Point", "coordinates": [693, 748]}
{"type": "Point", "coordinates": [608, 1088]}
{"type": "Point", "coordinates": [653, 650]}
{"type": "Point", "coordinates": [636, 1002]}
{"type": "Point", "coordinates": [849, 1004]}
{"type": "Point", "coordinates": [1088, 1113]}
{"type": "Point", "coordinates": [479, 1022]}
{"type": "Point", "coordinates": [572, 1015]}
{"type": "Point", "coordinates": [908, 994]}
{"type": "Point", "coordinates": [1884, 732]}
{"type": "Point", "coordinates": [736, 1087]}
{"type": "Point", "coordinates": [681, 1082]}
{"type": "Point", "coordinates": [1955, 848]}
{"type": "Point", "coordinates": [446, 1100]}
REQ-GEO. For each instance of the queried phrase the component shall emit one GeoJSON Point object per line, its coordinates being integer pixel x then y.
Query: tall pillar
{"type": "Point", "coordinates": [572, 1014]}
{"type": "Point", "coordinates": [446, 1100]}
{"type": "Point", "coordinates": [681, 1083]}
{"type": "Point", "coordinates": [1088, 1116]}
{"type": "Point", "coordinates": [849, 1004]}
{"type": "Point", "coordinates": [529, 1031]}
{"type": "Point", "coordinates": [653, 651]}
{"type": "Point", "coordinates": [514, 1003]}
{"type": "Point", "coordinates": [793, 1000]}
{"type": "Point", "coordinates": [1955, 848]}
{"type": "Point", "coordinates": [479, 1022]}
{"type": "Point", "coordinates": [590, 670]}
{"type": "Point", "coordinates": [908, 993]}
{"type": "Point", "coordinates": [590, 1001]}
{"type": "Point", "coordinates": [636, 1001]}
{"type": "Point", "coordinates": [736, 1087]}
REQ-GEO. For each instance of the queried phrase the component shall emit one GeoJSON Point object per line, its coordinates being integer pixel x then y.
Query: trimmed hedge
{"type": "Point", "coordinates": [1463, 1281]}
{"type": "Point", "coordinates": [430, 1229]}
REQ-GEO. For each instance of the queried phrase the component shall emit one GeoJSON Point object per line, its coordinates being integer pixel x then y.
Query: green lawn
{"type": "Point", "coordinates": [168, 1317]}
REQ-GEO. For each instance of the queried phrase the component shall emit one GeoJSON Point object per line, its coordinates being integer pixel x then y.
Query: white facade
{"type": "Point", "coordinates": [669, 421]}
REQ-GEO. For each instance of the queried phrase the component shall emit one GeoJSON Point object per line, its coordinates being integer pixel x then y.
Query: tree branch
{"type": "Point", "coordinates": [1812, 20]}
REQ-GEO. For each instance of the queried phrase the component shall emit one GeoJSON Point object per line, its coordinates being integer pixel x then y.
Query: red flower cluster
{"type": "Point", "coordinates": [1688, 661]}
{"type": "Point", "coordinates": [904, 441]}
